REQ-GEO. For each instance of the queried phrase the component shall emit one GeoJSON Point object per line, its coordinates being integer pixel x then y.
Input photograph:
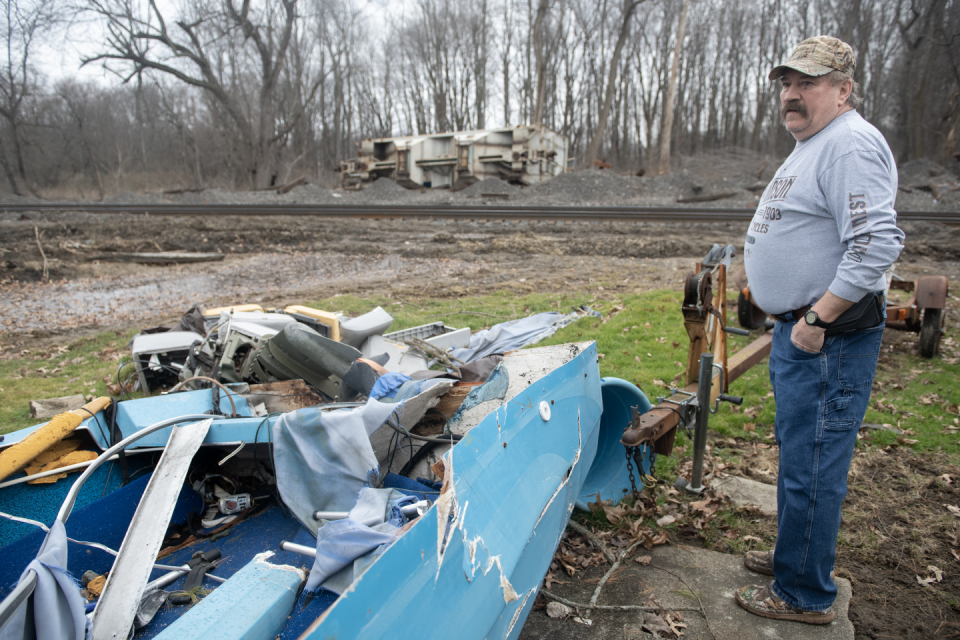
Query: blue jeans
{"type": "Point", "coordinates": [821, 399]}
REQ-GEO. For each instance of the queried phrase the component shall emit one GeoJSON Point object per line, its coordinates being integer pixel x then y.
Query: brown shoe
{"type": "Point", "coordinates": [759, 562]}
{"type": "Point", "coordinates": [762, 601]}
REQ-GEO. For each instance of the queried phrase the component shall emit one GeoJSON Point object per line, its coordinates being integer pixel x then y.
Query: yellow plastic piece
{"type": "Point", "coordinates": [323, 317]}
{"type": "Point", "coordinates": [60, 426]}
{"type": "Point", "coordinates": [52, 454]}
{"type": "Point", "coordinates": [72, 458]}
{"type": "Point", "coordinates": [215, 313]}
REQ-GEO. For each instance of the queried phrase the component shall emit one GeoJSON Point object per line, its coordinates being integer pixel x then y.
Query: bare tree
{"type": "Point", "coordinates": [191, 48]}
{"type": "Point", "coordinates": [667, 134]}
{"type": "Point", "coordinates": [627, 13]}
{"type": "Point", "coordinates": [24, 22]}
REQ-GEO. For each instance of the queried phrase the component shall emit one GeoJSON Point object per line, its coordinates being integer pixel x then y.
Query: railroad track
{"type": "Point", "coordinates": [497, 212]}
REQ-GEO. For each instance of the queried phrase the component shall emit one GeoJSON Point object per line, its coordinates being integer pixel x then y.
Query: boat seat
{"type": "Point", "coordinates": [253, 605]}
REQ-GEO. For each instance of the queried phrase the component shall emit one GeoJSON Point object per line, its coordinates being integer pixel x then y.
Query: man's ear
{"type": "Point", "coordinates": [845, 89]}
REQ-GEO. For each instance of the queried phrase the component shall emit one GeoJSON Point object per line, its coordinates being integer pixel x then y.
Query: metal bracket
{"type": "Point", "coordinates": [716, 404]}
{"type": "Point", "coordinates": [683, 406]}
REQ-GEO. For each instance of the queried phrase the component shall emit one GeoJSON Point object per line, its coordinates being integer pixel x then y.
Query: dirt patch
{"type": "Point", "coordinates": [898, 533]}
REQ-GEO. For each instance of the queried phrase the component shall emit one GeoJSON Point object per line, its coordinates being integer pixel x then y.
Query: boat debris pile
{"type": "Point", "coordinates": [341, 357]}
{"type": "Point", "coordinates": [333, 420]}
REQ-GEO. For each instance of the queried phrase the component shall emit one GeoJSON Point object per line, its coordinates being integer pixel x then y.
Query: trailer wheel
{"type": "Point", "coordinates": [750, 315]}
{"type": "Point", "coordinates": [930, 332]}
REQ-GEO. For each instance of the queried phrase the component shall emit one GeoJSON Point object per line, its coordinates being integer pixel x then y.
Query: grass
{"type": "Point", "coordinates": [83, 367]}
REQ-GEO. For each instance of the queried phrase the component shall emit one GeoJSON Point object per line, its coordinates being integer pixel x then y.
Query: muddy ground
{"type": "Point", "coordinates": [280, 260]}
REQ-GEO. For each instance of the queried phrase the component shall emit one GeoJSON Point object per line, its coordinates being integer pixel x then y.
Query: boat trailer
{"type": "Point", "coordinates": [708, 375]}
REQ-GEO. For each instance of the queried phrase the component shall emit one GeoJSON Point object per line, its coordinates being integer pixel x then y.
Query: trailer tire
{"type": "Point", "coordinates": [930, 332]}
{"type": "Point", "coordinates": [750, 315]}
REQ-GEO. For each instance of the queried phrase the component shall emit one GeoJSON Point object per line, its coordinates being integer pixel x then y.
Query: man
{"type": "Point", "coordinates": [816, 252]}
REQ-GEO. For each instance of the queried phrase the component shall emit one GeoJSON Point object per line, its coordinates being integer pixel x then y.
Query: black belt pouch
{"type": "Point", "coordinates": [866, 314]}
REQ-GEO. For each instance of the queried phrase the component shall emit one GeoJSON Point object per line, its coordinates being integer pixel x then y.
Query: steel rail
{"type": "Point", "coordinates": [488, 212]}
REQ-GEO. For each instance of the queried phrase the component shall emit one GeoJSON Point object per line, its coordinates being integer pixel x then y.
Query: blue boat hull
{"type": "Point", "coordinates": [473, 570]}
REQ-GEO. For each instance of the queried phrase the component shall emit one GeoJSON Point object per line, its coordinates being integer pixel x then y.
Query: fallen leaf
{"type": "Point", "coordinates": [657, 382]}
{"type": "Point", "coordinates": [558, 610]}
{"type": "Point", "coordinates": [665, 520]}
{"type": "Point", "coordinates": [956, 554]}
{"type": "Point", "coordinates": [751, 539]}
{"type": "Point", "coordinates": [936, 571]}
{"type": "Point", "coordinates": [749, 427]}
{"type": "Point", "coordinates": [925, 582]}
{"type": "Point", "coordinates": [947, 478]}
{"type": "Point", "coordinates": [600, 503]}
{"type": "Point", "coordinates": [643, 560]}
{"type": "Point", "coordinates": [615, 514]}
{"type": "Point", "coordinates": [655, 624]}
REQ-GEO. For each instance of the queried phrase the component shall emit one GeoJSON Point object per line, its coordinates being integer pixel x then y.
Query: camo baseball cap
{"type": "Point", "coordinates": [818, 56]}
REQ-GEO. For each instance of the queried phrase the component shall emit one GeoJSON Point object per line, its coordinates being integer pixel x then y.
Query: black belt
{"type": "Point", "coordinates": [865, 314]}
{"type": "Point", "coordinates": [799, 313]}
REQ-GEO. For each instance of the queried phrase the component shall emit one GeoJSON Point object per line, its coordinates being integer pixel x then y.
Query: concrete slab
{"type": "Point", "coordinates": [674, 576]}
{"type": "Point", "coordinates": [745, 492]}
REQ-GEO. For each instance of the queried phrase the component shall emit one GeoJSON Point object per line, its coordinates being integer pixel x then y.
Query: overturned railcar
{"type": "Point", "coordinates": [524, 155]}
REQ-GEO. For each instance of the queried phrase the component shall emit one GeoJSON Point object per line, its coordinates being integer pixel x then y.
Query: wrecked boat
{"type": "Point", "coordinates": [464, 554]}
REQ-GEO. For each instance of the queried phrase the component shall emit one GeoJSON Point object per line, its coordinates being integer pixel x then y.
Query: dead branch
{"type": "Point", "coordinates": [700, 602]}
{"type": "Point", "coordinates": [36, 232]}
{"type": "Point", "coordinates": [613, 568]}
{"type": "Point", "coordinates": [707, 198]}
{"type": "Point", "coordinates": [763, 167]}
{"type": "Point", "coordinates": [608, 607]}
{"type": "Point", "coordinates": [592, 539]}
{"type": "Point", "coordinates": [290, 186]}
{"type": "Point", "coordinates": [470, 313]}
{"type": "Point", "coordinates": [432, 352]}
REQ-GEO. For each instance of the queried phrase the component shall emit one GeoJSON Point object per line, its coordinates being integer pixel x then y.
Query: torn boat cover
{"type": "Point", "coordinates": [323, 459]}
{"type": "Point", "coordinates": [515, 334]}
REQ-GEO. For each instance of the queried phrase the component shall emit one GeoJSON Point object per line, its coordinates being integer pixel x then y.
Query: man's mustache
{"type": "Point", "coordinates": [792, 105]}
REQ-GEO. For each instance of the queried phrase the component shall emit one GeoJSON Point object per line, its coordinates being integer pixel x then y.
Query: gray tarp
{"type": "Point", "coordinates": [57, 605]}
{"type": "Point", "coordinates": [514, 334]}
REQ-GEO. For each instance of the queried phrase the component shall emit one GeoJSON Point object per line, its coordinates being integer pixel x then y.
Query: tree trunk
{"type": "Point", "coordinates": [542, 8]}
{"type": "Point", "coordinates": [672, 93]}
{"type": "Point", "coordinates": [8, 172]}
{"type": "Point", "coordinates": [629, 8]}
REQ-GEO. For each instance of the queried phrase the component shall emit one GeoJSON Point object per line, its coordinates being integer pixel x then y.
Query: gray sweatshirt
{"type": "Point", "coordinates": [826, 221]}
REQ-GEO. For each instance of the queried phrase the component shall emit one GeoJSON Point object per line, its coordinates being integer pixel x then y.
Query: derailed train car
{"type": "Point", "coordinates": [528, 154]}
